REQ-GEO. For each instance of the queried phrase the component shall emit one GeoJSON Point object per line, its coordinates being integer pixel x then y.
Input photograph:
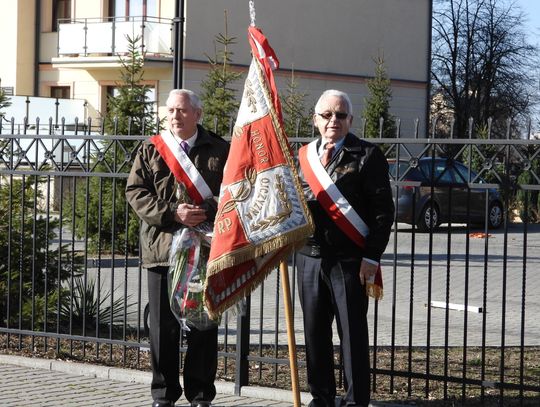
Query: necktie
{"type": "Point", "coordinates": [185, 146]}
{"type": "Point", "coordinates": [327, 155]}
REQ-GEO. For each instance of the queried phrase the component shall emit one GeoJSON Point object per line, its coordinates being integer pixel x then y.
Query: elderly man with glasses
{"type": "Point", "coordinates": [346, 184]}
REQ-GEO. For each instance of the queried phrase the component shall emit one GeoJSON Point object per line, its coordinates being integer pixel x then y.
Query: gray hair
{"type": "Point", "coordinates": [336, 93]}
{"type": "Point", "coordinates": [193, 98]}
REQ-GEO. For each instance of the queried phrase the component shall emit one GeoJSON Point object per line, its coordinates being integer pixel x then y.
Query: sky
{"type": "Point", "coordinates": [531, 9]}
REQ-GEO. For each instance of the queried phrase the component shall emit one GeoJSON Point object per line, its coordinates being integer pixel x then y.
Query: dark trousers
{"type": "Point", "coordinates": [200, 364]}
{"type": "Point", "coordinates": [331, 288]}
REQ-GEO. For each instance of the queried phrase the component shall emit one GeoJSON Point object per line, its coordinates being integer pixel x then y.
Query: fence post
{"type": "Point", "coordinates": [242, 347]}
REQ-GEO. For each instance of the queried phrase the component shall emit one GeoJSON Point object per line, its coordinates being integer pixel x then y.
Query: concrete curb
{"type": "Point", "coordinates": [81, 369]}
{"type": "Point", "coordinates": [137, 376]}
{"type": "Point", "coordinates": [271, 393]}
{"type": "Point", "coordinates": [142, 377]}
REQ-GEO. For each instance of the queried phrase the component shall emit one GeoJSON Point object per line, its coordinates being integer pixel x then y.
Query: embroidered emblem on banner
{"type": "Point", "coordinates": [262, 215]}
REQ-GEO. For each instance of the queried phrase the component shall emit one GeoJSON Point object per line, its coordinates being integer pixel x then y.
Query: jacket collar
{"type": "Point", "coordinates": [351, 143]}
{"type": "Point", "coordinates": [203, 137]}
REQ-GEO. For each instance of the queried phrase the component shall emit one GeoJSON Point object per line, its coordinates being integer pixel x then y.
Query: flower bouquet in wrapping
{"type": "Point", "coordinates": [187, 273]}
{"type": "Point", "coordinates": [186, 278]}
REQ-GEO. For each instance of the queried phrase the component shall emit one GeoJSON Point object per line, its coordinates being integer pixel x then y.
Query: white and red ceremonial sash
{"type": "Point", "coordinates": [182, 167]}
{"type": "Point", "coordinates": [336, 205]}
{"type": "Point", "coordinates": [330, 197]}
{"type": "Point", "coordinates": [262, 214]}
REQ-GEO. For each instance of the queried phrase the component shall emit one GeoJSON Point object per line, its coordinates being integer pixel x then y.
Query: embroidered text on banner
{"type": "Point", "coordinates": [262, 215]}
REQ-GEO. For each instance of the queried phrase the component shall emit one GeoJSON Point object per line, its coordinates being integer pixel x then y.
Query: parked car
{"type": "Point", "coordinates": [436, 179]}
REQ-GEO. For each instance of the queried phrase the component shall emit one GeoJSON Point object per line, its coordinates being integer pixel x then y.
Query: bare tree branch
{"type": "Point", "coordinates": [481, 61]}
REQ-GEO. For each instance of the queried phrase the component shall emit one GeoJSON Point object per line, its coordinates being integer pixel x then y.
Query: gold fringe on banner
{"type": "Point", "coordinates": [374, 291]}
{"type": "Point", "coordinates": [251, 252]}
{"type": "Point", "coordinates": [284, 253]}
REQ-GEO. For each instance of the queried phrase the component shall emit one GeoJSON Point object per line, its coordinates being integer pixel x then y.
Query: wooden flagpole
{"type": "Point", "coordinates": [284, 271]}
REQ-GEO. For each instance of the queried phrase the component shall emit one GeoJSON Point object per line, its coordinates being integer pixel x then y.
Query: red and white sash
{"type": "Point", "coordinates": [330, 197]}
{"type": "Point", "coordinates": [337, 207]}
{"type": "Point", "coordinates": [182, 167]}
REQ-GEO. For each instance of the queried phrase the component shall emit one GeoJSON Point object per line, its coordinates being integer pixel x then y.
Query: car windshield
{"type": "Point", "coordinates": [447, 171]}
{"type": "Point", "coordinates": [392, 168]}
{"type": "Point", "coordinates": [464, 174]}
{"type": "Point", "coordinates": [440, 170]}
{"type": "Point", "coordinates": [444, 171]}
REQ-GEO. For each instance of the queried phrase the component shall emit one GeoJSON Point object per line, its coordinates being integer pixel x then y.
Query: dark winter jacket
{"type": "Point", "coordinates": [151, 191]}
{"type": "Point", "coordinates": [360, 172]}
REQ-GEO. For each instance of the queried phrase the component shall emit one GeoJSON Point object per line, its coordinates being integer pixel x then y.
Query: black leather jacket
{"type": "Point", "coordinates": [360, 171]}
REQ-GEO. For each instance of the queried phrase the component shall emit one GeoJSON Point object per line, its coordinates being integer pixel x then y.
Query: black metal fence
{"type": "Point", "coordinates": [458, 320]}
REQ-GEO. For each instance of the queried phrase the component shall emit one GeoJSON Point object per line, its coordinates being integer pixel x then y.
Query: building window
{"type": "Point", "coordinates": [8, 90]}
{"type": "Point", "coordinates": [61, 11]}
{"type": "Point", "coordinates": [133, 8]}
{"type": "Point", "coordinates": [60, 92]}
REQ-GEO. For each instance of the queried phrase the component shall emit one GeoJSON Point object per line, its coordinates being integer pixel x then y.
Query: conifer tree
{"type": "Point", "coordinates": [218, 97]}
{"type": "Point", "coordinates": [296, 121]}
{"type": "Point", "coordinates": [128, 112]}
{"type": "Point", "coordinates": [27, 257]}
{"type": "Point", "coordinates": [377, 104]}
{"type": "Point", "coordinates": [4, 102]}
{"type": "Point", "coordinates": [131, 102]}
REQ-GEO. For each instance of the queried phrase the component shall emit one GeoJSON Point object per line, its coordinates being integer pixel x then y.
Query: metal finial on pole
{"type": "Point", "coordinates": [252, 12]}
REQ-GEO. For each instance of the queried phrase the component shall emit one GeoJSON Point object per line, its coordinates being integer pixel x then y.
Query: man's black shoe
{"type": "Point", "coordinates": [201, 404]}
{"type": "Point", "coordinates": [163, 404]}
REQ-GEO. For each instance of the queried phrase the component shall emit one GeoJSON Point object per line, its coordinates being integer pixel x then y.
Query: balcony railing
{"type": "Point", "coordinates": [29, 108]}
{"type": "Point", "coordinates": [97, 36]}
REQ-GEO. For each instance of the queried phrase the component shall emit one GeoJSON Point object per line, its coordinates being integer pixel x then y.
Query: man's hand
{"type": "Point", "coordinates": [367, 271]}
{"type": "Point", "coordinates": [189, 215]}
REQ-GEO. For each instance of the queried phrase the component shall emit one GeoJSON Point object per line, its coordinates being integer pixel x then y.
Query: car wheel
{"type": "Point", "coordinates": [495, 215]}
{"type": "Point", "coordinates": [428, 217]}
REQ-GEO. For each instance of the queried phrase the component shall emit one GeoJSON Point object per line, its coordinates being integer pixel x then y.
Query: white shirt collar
{"type": "Point", "coordinates": [337, 146]}
{"type": "Point", "coordinates": [190, 141]}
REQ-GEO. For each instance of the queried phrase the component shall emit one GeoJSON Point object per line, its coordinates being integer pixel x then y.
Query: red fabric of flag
{"type": "Point", "coordinates": [262, 215]}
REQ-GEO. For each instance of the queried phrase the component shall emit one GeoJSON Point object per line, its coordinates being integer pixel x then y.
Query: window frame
{"type": "Point", "coordinates": [63, 89]}
{"type": "Point", "coordinates": [61, 9]}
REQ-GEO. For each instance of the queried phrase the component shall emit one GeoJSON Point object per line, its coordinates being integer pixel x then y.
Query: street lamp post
{"type": "Point", "coordinates": [178, 44]}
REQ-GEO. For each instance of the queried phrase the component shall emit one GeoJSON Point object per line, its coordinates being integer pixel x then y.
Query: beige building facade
{"type": "Point", "coordinates": [69, 48]}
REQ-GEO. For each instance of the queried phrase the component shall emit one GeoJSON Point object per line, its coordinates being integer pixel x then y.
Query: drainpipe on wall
{"type": "Point", "coordinates": [178, 44]}
{"type": "Point", "coordinates": [428, 87]}
{"type": "Point", "coordinates": [37, 37]}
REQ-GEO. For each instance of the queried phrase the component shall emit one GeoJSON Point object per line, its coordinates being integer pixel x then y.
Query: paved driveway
{"type": "Point", "coordinates": [418, 270]}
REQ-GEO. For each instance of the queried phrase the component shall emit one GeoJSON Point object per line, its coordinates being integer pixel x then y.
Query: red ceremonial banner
{"type": "Point", "coordinates": [262, 214]}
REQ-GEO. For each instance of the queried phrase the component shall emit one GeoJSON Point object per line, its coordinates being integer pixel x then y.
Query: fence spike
{"type": "Point", "coordinates": [470, 125]}
{"type": "Point", "coordinates": [434, 126]}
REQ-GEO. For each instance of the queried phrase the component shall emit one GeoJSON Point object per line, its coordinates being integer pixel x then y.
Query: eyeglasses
{"type": "Point", "coordinates": [339, 115]}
